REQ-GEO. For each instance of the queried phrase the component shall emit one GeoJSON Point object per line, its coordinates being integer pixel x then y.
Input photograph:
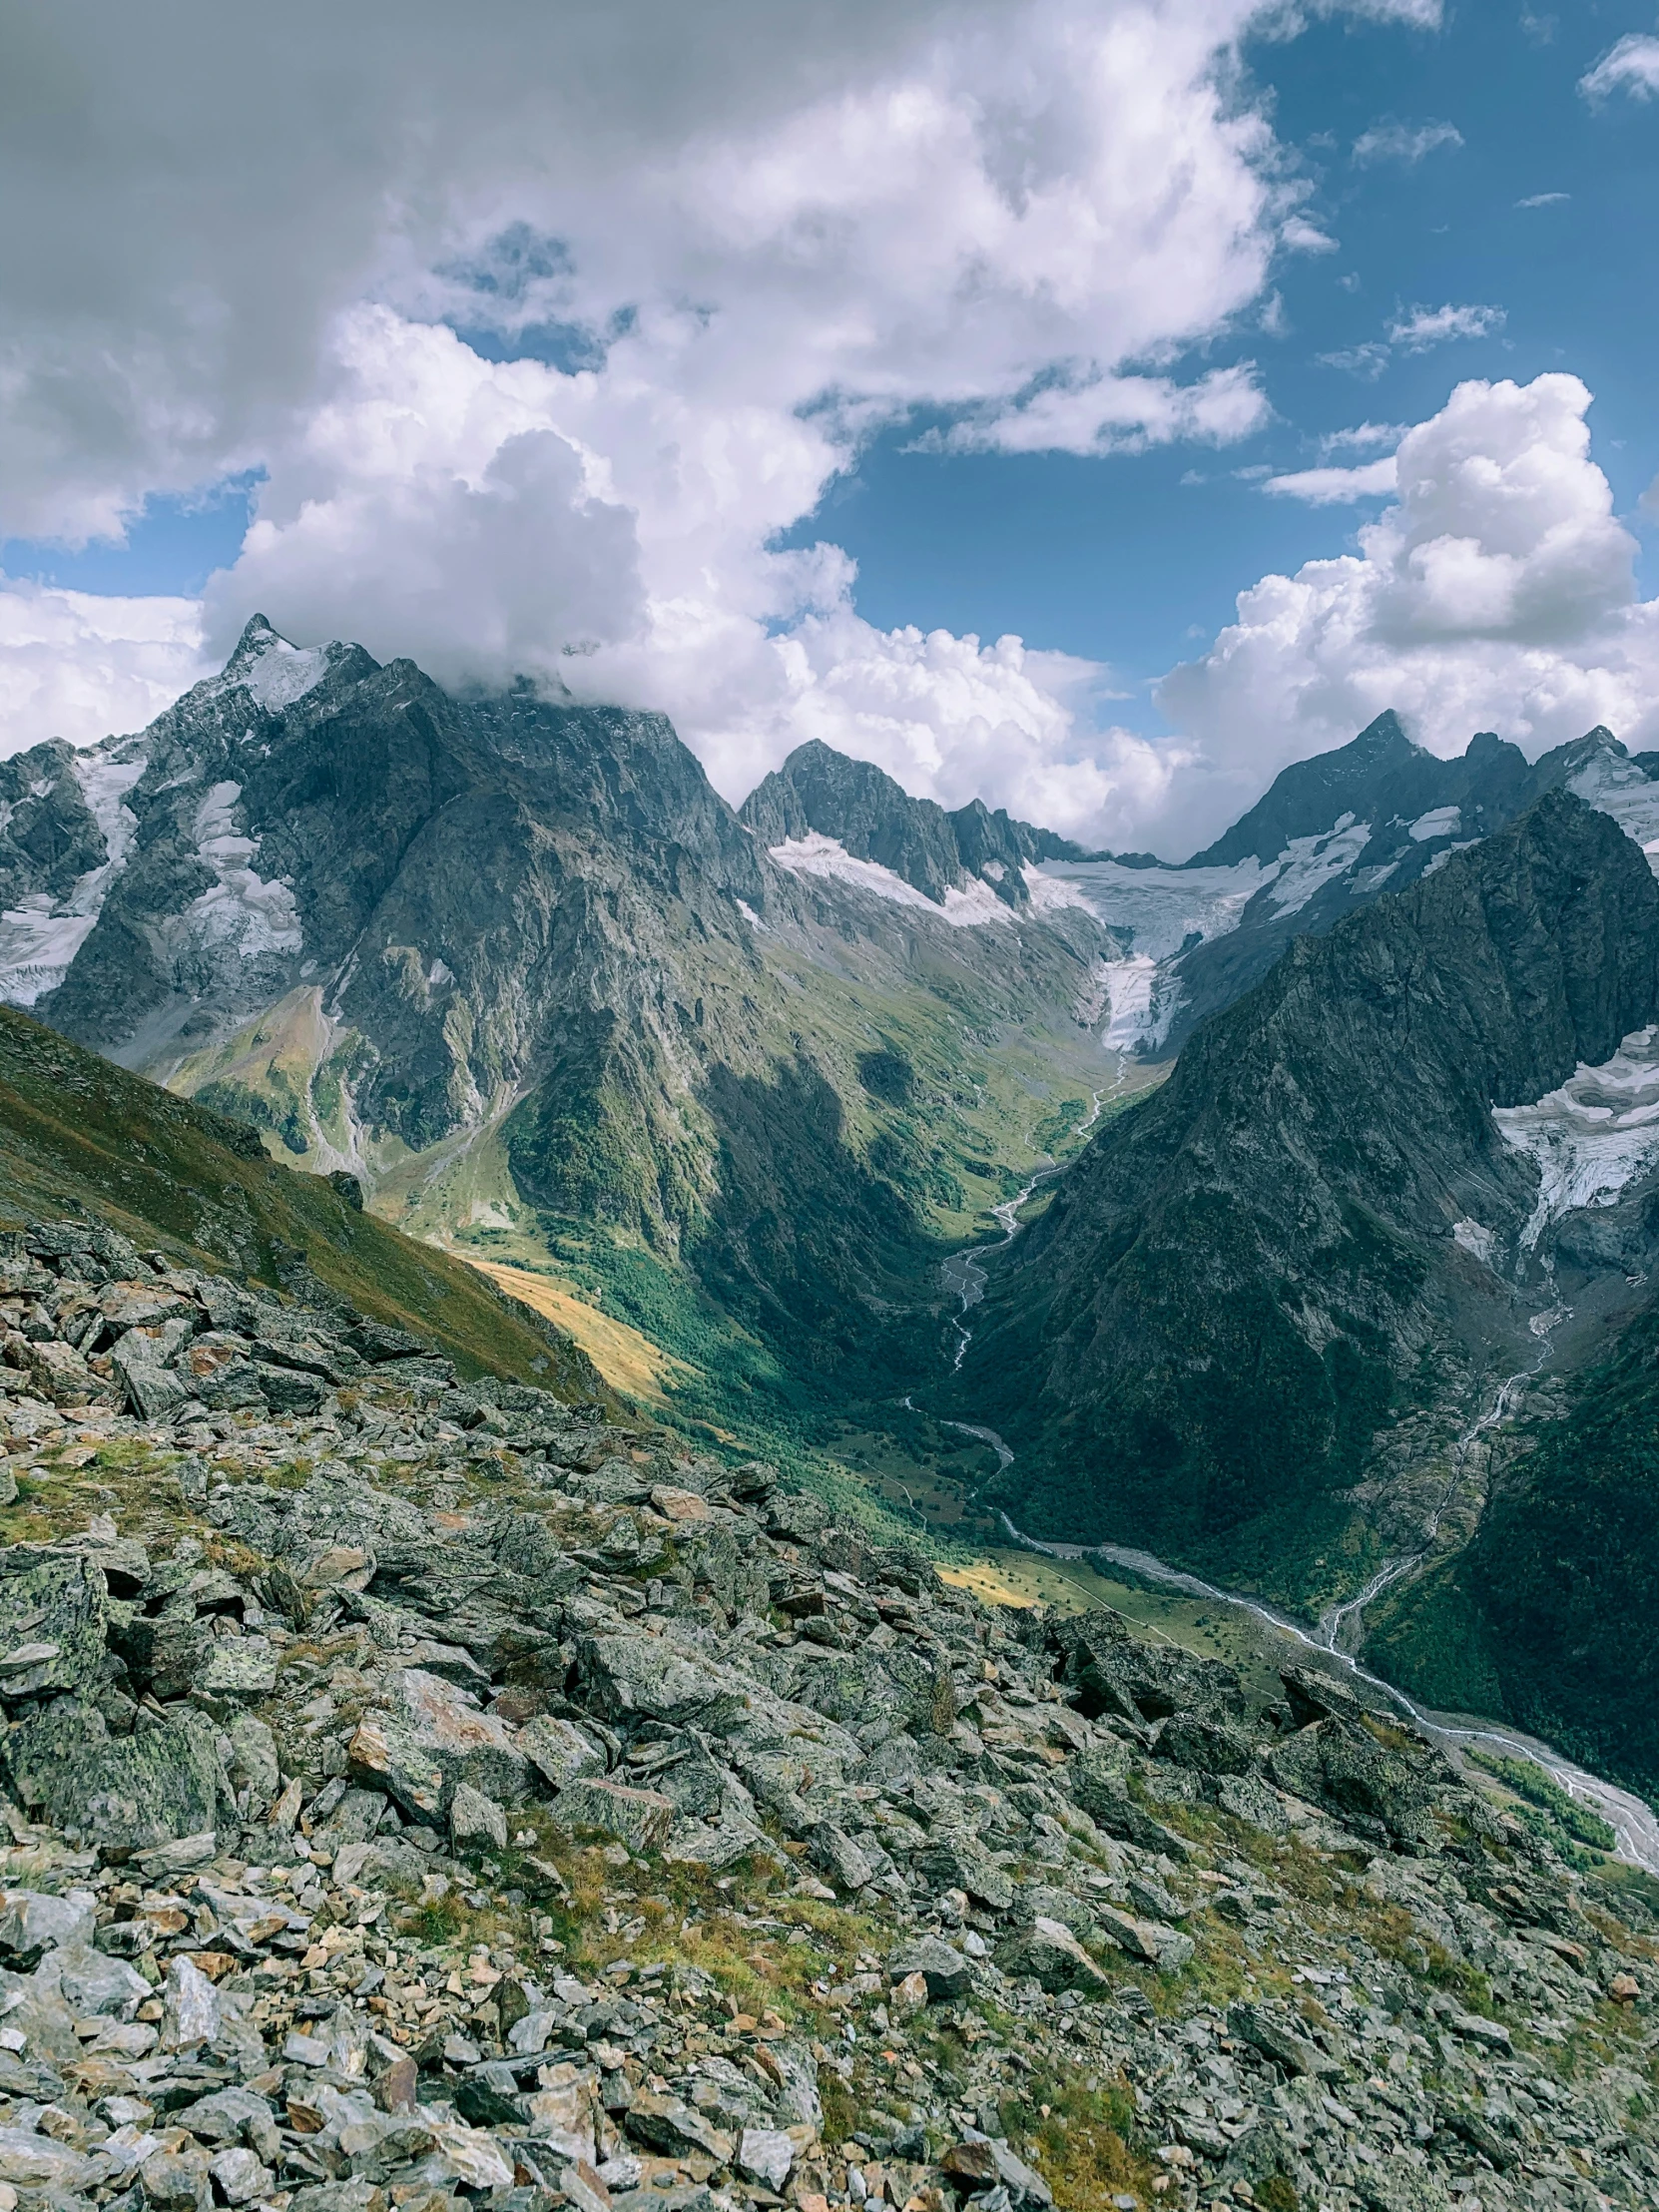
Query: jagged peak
{"type": "Point", "coordinates": [277, 671]}
{"type": "Point", "coordinates": [1386, 733]}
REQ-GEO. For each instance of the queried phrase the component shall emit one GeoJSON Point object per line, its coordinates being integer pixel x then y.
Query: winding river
{"type": "Point", "coordinates": [1633, 1821]}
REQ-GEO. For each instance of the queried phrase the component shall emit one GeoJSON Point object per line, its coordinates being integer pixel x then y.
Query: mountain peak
{"type": "Point", "coordinates": [1381, 738]}
{"type": "Point", "coordinates": [275, 671]}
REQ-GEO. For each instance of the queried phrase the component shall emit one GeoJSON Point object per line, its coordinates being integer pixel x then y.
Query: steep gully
{"type": "Point", "coordinates": [1633, 1821]}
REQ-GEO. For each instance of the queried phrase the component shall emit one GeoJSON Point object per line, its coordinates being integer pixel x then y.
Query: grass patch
{"type": "Point", "coordinates": [1546, 1807]}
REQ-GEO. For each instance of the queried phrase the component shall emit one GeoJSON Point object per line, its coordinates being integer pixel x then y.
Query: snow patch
{"type": "Point", "coordinates": [1161, 910]}
{"type": "Point", "coordinates": [39, 940]}
{"type": "Point", "coordinates": [816, 854]}
{"type": "Point", "coordinates": [749, 914]}
{"type": "Point", "coordinates": [1307, 865]}
{"type": "Point", "coordinates": [278, 672]}
{"type": "Point", "coordinates": [242, 911]}
{"type": "Point", "coordinates": [1440, 821]}
{"type": "Point", "coordinates": [1050, 892]}
{"type": "Point", "coordinates": [1617, 787]}
{"type": "Point", "coordinates": [1593, 1136]}
{"type": "Point", "coordinates": [1474, 1238]}
{"type": "Point", "coordinates": [1133, 1018]}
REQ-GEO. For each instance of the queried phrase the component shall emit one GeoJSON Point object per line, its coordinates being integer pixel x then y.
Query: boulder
{"type": "Point", "coordinates": [947, 1973]}
{"type": "Point", "coordinates": [153, 1389]}
{"type": "Point", "coordinates": [475, 1820]}
{"type": "Point", "coordinates": [1164, 1947]}
{"type": "Point", "coordinates": [53, 1616]}
{"type": "Point", "coordinates": [629, 1678]}
{"type": "Point", "coordinates": [959, 1862]}
{"type": "Point", "coordinates": [431, 1739]}
{"type": "Point", "coordinates": [1372, 1775]}
{"type": "Point", "coordinates": [1050, 1955]}
{"type": "Point", "coordinates": [1213, 1747]}
{"type": "Point", "coordinates": [234, 1672]}
{"type": "Point", "coordinates": [1278, 2040]}
{"type": "Point", "coordinates": [558, 1750]}
{"type": "Point", "coordinates": [641, 1818]}
{"type": "Point", "coordinates": [31, 1923]}
{"type": "Point", "coordinates": [130, 1792]}
{"type": "Point", "coordinates": [765, 2154]}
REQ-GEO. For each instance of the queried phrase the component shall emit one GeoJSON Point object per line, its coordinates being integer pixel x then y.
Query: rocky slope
{"type": "Point", "coordinates": [169, 1177]}
{"type": "Point", "coordinates": [518, 968]}
{"type": "Point", "coordinates": [1304, 1262]}
{"type": "Point", "coordinates": [422, 1797]}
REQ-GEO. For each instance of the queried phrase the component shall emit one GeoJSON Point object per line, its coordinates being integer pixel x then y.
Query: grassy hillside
{"type": "Point", "coordinates": [78, 1135]}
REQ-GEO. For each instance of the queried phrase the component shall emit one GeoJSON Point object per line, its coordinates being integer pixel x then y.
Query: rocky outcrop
{"type": "Point", "coordinates": [819, 790]}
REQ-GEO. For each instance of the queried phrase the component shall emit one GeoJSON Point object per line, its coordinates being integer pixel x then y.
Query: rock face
{"type": "Point", "coordinates": [820, 791]}
{"type": "Point", "coordinates": [519, 1872]}
{"type": "Point", "coordinates": [1249, 1279]}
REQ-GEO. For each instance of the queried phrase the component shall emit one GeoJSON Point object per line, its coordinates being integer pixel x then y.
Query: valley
{"type": "Point", "coordinates": [1319, 1137]}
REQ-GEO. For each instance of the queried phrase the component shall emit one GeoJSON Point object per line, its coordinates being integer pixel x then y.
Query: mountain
{"type": "Point", "coordinates": [83, 1139]}
{"type": "Point", "coordinates": [1265, 1299]}
{"type": "Point", "coordinates": [516, 966]}
{"type": "Point", "coordinates": [821, 795]}
{"type": "Point", "coordinates": [1328, 836]}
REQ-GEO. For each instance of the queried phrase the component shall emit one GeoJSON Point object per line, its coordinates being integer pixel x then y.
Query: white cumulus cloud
{"type": "Point", "coordinates": [1498, 593]}
{"type": "Point", "coordinates": [83, 666]}
{"type": "Point", "coordinates": [1334, 488]}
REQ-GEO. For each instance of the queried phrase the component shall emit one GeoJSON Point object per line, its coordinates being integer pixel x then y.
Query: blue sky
{"type": "Point", "coordinates": [1132, 561]}
{"type": "Point", "coordinates": [812, 284]}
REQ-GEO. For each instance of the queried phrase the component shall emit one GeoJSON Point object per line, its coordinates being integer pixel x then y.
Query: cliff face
{"type": "Point", "coordinates": [1247, 1278]}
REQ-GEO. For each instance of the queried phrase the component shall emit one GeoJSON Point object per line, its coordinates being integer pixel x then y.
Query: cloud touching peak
{"type": "Point", "coordinates": [1498, 593]}
{"type": "Point", "coordinates": [544, 330]}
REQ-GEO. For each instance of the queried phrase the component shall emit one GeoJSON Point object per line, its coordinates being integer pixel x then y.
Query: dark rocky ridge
{"type": "Point", "coordinates": [1393, 786]}
{"type": "Point", "coordinates": [1381, 777]}
{"type": "Point", "coordinates": [1251, 1274]}
{"type": "Point", "coordinates": [817, 788]}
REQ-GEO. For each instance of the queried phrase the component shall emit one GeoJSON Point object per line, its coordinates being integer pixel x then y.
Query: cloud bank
{"type": "Point", "coordinates": [548, 328]}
